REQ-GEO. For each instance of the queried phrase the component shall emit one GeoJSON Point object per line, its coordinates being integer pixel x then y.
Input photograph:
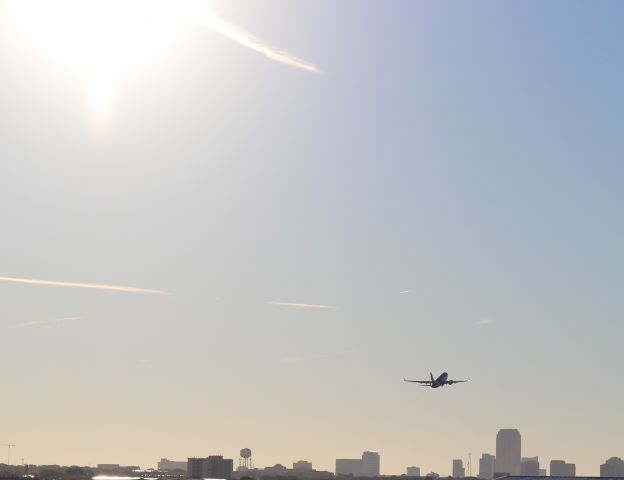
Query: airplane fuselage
{"type": "Point", "coordinates": [440, 381]}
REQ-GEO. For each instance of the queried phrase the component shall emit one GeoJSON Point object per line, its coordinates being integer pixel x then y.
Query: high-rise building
{"type": "Point", "coordinates": [413, 471]}
{"type": "Point", "coordinates": [508, 451]}
{"type": "Point", "coordinates": [486, 466]}
{"type": "Point", "coordinates": [529, 466]}
{"type": "Point", "coordinates": [349, 466]}
{"type": "Point", "coordinates": [614, 467]}
{"type": "Point", "coordinates": [370, 464]}
{"type": "Point", "coordinates": [458, 469]}
{"type": "Point", "coordinates": [302, 466]}
{"type": "Point", "coordinates": [214, 466]}
{"type": "Point", "coordinates": [570, 470]}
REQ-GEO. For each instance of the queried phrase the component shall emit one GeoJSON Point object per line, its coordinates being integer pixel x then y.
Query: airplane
{"type": "Point", "coordinates": [435, 382]}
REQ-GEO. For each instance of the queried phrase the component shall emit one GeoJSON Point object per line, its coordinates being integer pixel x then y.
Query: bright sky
{"type": "Point", "coordinates": [240, 252]}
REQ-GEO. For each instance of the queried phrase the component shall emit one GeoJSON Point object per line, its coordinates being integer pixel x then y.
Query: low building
{"type": "Point", "coordinates": [214, 466]}
{"type": "Point", "coordinates": [302, 466]}
{"type": "Point", "coordinates": [349, 466]}
{"type": "Point", "coordinates": [413, 471]}
{"type": "Point", "coordinates": [614, 467]}
{"type": "Point", "coordinates": [559, 468]}
{"type": "Point", "coordinates": [529, 466]}
{"type": "Point", "coordinates": [166, 464]}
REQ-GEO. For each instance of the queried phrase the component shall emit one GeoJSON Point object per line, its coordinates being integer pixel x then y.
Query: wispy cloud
{"type": "Point", "coordinates": [403, 292]}
{"type": "Point", "coordinates": [36, 323]}
{"type": "Point", "coordinates": [96, 286]}
{"type": "Point", "coordinates": [205, 16]}
{"type": "Point", "coordinates": [301, 305]}
{"type": "Point", "coordinates": [315, 356]}
{"type": "Point", "coordinates": [485, 321]}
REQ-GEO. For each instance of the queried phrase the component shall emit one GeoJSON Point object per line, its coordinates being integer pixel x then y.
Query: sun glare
{"type": "Point", "coordinates": [102, 39]}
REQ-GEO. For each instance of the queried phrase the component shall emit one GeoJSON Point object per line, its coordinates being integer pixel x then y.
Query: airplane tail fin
{"type": "Point", "coordinates": [431, 375]}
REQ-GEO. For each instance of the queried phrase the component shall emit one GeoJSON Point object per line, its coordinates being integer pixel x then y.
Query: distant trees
{"type": "Point", "coordinates": [50, 474]}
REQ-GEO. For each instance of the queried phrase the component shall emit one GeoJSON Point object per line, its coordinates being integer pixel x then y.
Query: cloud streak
{"type": "Point", "coordinates": [203, 15]}
{"type": "Point", "coordinates": [301, 305]}
{"type": "Point", "coordinates": [36, 323]}
{"type": "Point", "coordinates": [95, 286]}
{"type": "Point", "coordinates": [485, 321]}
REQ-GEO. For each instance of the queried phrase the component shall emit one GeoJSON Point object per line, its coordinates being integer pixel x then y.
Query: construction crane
{"type": "Point", "coordinates": [8, 445]}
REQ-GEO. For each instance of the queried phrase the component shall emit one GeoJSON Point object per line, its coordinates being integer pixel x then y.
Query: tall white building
{"type": "Point", "coordinates": [370, 464]}
{"type": "Point", "coordinates": [508, 451]}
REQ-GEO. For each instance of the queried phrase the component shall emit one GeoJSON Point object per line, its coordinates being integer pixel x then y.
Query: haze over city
{"type": "Point", "coordinates": [230, 224]}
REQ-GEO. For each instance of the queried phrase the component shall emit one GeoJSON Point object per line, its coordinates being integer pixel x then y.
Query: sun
{"type": "Point", "coordinates": [102, 39]}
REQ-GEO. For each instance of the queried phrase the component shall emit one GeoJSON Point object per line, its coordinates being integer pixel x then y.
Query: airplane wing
{"type": "Point", "coordinates": [421, 382]}
{"type": "Point", "coordinates": [451, 382]}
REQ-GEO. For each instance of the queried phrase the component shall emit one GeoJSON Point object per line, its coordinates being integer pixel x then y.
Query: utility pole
{"type": "Point", "coordinates": [8, 445]}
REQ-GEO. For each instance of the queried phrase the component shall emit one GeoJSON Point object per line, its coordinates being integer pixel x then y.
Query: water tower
{"type": "Point", "coordinates": [245, 462]}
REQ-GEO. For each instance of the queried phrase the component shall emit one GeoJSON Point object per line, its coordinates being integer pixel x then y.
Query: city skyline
{"type": "Point", "coordinates": [231, 225]}
{"type": "Point", "coordinates": [508, 447]}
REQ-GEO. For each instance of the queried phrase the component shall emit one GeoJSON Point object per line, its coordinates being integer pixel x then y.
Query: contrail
{"type": "Point", "coordinates": [203, 14]}
{"type": "Point", "coordinates": [96, 286]}
{"type": "Point", "coordinates": [45, 322]}
{"type": "Point", "coordinates": [300, 305]}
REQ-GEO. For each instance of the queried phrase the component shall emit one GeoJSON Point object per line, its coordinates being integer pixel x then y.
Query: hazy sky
{"type": "Point", "coordinates": [450, 185]}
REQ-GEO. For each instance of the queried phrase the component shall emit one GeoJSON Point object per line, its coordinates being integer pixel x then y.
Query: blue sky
{"type": "Point", "coordinates": [466, 152]}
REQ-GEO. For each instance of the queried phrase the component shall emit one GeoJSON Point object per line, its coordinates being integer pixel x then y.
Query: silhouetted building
{"type": "Point", "coordinates": [413, 471]}
{"type": "Point", "coordinates": [529, 466]}
{"type": "Point", "coordinates": [614, 467]}
{"type": "Point", "coordinates": [302, 466]}
{"type": "Point", "coordinates": [349, 466]}
{"type": "Point", "coordinates": [458, 469]}
{"type": "Point", "coordinates": [542, 472]}
{"type": "Point", "coordinates": [486, 466]}
{"type": "Point", "coordinates": [166, 464]}
{"type": "Point", "coordinates": [214, 466]}
{"type": "Point", "coordinates": [194, 467]}
{"type": "Point", "coordinates": [508, 451]}
{"type": "Point", "coordinates": [559, 468]}
{"type": "Point", "coordinates": [370, 464]}
{"type": "Point", "coordinates": [276, 470]}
